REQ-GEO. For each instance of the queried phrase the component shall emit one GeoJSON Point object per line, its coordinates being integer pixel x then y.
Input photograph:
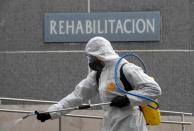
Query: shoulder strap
{"type": "Point", "coordinates": [124, 80]}
{"type": "Point", "coordinates": [98, 77]}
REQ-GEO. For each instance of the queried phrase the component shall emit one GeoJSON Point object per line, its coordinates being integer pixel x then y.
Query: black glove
{"type": "Point", "coordinates": [42, 116]}
{"type": "Point", "coordinates": [120, 101]}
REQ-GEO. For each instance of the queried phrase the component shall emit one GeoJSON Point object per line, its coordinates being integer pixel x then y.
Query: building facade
{"type": "Point", "coordinates": [31, 68]}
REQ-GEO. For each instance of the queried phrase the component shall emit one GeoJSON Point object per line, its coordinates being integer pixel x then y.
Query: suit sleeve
{"type": "Point", "coordinates": [82, 92]}
{"type": "Point", "coordinates": [142, 85]}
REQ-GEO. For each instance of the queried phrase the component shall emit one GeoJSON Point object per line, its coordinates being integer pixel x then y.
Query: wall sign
{"type": "Point", "coordinates": [115, 26]}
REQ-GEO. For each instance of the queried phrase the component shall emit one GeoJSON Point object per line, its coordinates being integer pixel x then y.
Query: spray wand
{"type": "Point", "coordinates": [84, 106]}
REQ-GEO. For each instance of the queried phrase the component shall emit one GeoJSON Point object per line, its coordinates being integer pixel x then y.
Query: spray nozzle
{"type": "Point", "coordinates": [31, 114]}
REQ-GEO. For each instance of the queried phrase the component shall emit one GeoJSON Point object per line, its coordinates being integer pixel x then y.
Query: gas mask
{"type": "Point", "coordinates": [95, 64]}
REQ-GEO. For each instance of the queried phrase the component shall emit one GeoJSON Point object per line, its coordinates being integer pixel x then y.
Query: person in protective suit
{"type": "Point", "coordinates": [123, 114]}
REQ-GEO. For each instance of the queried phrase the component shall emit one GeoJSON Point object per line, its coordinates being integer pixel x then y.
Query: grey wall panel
{"type": "Point", "coordinates": [175, 20]}
{"type": "Point", "coordinates": [191, 33]}
{"type": "Point", "coordinates": [41, 76]}
{"type": "Point", "coordinates": [21, 23]}
{"type": "Point", "coordinates": [51, 76]}
{"type": "Point", "coordinates": [173, 74]}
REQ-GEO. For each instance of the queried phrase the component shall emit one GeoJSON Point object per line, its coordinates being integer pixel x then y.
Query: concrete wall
{"type": "Point", "coordinates": [51, 76]}
{"type": "Point", "coordinates": [74, 123]}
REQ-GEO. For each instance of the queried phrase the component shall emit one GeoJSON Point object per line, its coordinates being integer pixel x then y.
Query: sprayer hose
{"type": "Point", "coordinates": [120, 86]}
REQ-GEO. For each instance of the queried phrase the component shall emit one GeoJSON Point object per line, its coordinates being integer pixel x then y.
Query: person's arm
{"type": "Point", "coordinates": [83, 91]}
{"type": "Point", "coordinates": [142, 84]}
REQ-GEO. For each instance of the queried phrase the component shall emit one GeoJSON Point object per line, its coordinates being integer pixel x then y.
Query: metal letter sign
{"type": "Point", "coordinates": [115, 26]}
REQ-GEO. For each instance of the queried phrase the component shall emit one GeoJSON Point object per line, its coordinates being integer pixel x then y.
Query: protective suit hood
{"type": "Point", "coordinates": [101, 48]}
